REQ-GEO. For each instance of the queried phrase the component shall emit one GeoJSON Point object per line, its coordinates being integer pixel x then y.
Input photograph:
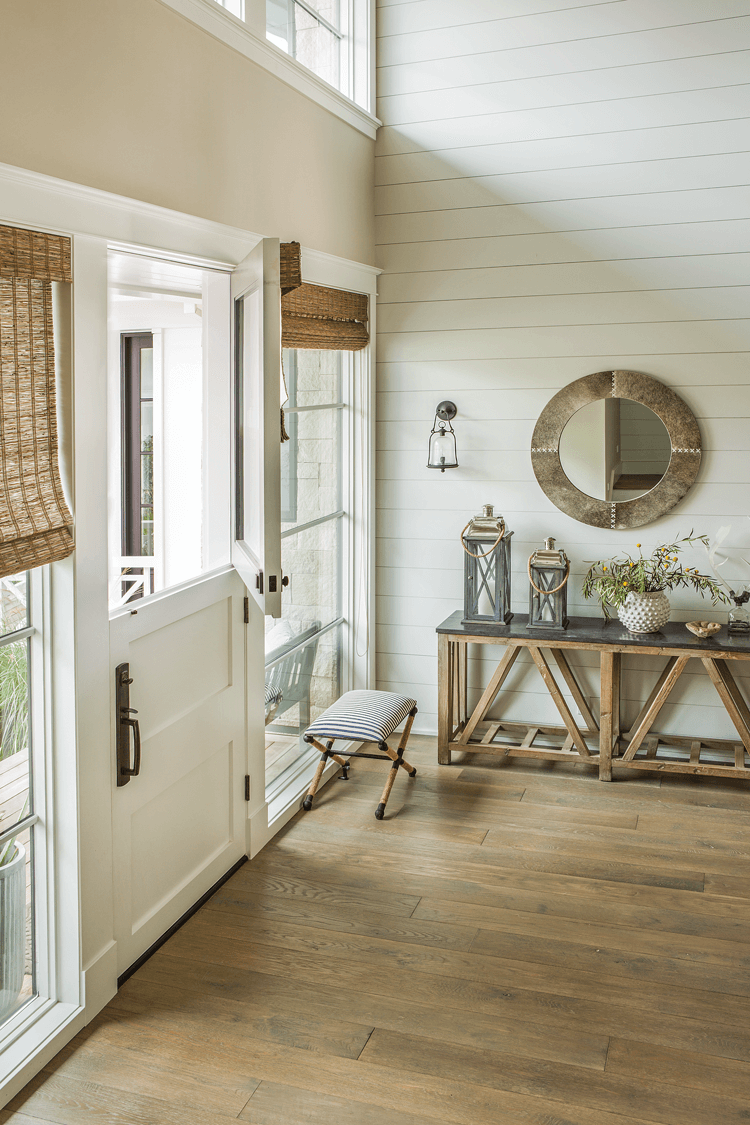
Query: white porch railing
{"type": "Point", "coordinates": [135, 580]}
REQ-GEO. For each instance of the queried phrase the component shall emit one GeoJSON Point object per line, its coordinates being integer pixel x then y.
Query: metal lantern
{"type": "Point", "coordinates": [548, 588]}
{"type": "Point", "coordinates": [441, 453]}
{"type": "Point", "coordinates": [486, 570]}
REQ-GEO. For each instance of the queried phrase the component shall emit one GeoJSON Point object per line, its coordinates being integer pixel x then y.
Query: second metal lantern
{"type": "Point", "coordinates": [548, 588]}
{"type": "Point", "coordinates": [486, 543]}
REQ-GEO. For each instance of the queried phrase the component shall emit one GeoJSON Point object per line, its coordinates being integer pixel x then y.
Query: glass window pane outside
{"type": "Point", "coordinates": [318, 376]}
{"type": "Point", "coordinates": [312, 560]}
{"type": "Point", "coordinates": [17, 965]}
{"type": "Point", "coordinates": [298, 32]}
{"type": "Point", "coordinates": [313, 684]}
{"type": "Point", "coordinates": [316, 46]}
{"type": "Point", "coordinates": [14, 603]}
{"type": "Point", "coordinates": [15, 771]}
{"type": "Point", "coordinates": [311, 459]}
{"type": "Point", "coordinates": [17, 960]}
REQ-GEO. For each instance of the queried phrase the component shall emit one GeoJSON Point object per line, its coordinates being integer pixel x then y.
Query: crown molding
{"type": "Point", "coordinates": [225, 27]}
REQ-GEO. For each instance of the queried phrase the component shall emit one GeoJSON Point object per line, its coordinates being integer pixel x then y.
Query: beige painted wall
{"type": "Point", "coordinates": [134, 99]}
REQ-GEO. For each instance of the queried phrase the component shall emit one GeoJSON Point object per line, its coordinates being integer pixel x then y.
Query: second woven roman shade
{"type": "Point", "coordinates": [315, 316]}
{"type": "Point", "coordinates": [36, 526]}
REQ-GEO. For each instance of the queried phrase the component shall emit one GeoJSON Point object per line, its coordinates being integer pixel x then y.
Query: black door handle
{"type": "Point", "coordinates": [125, 724]}
{"type": "Point", "coordinates": [136, 767]}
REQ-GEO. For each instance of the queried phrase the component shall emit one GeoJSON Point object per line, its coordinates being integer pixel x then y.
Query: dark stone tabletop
{"type": "Point", "coordinates": [598, 631]}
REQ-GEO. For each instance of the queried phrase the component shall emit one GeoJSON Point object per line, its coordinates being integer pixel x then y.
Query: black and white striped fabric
{"type": "Point", "coordinates": [273, 695]}
{"type": "Point", "coordinates": [364, 716]}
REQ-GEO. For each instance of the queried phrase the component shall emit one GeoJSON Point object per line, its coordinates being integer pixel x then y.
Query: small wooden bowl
{"type": "Point", "coordinates": [703, 629]}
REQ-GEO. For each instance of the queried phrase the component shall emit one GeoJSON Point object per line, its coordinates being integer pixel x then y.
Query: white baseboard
{"type": "Point", "coordinates": [100, 981]}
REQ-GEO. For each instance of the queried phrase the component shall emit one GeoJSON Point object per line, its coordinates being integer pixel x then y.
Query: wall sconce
{"type": "Point", "coordinates": [442, 449]}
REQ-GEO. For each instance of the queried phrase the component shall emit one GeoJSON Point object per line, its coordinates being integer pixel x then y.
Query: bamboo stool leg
{"type": "Point", "coordinates": [380, 810]}
{"type": "Point", "coordinates": [325, 755]}
{"type": "Point", "coordinates": [411, 770]}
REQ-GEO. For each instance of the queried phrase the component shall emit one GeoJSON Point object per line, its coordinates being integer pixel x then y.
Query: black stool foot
{"type": "Point", "coordinates": [344, 773]}
{"type": "Point", "coordinates": [380, 811]}
{"type": "Point", "coordinates": [307, 803]}
{"type": "Point", "coordinates": [413, 772]}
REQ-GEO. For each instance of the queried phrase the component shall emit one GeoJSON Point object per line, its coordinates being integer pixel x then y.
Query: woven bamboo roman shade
{"type": "Point", "coordinates": [314, 316]}
{"type": "Point", "coordinates": [36, 526]}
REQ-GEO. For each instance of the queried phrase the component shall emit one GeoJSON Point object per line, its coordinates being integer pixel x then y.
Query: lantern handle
{"type": "Point", "coordinates": [486, 553]}
{"type": "Point", "coordinates": [533, 583]}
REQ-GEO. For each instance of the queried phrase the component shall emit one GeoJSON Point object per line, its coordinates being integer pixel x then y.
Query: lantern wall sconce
{"type": "Point", "coordinates": [442, 448]}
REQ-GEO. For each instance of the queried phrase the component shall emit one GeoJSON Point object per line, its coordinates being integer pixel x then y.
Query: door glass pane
{"type": "Point", "coordinates": [147, 372]}
{"type": "Point", "coordinates": [158, 330]}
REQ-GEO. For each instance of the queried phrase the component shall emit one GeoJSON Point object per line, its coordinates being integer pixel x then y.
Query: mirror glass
{"type": "Point", "coordinates": [615, 449]}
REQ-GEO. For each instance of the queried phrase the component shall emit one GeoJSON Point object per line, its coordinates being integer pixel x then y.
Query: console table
{"type": "Point", "coordinates": [588, 741]}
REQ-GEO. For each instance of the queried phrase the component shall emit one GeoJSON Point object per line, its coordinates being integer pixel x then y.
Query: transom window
{"type": "Point", "coordinates": [310, 33]}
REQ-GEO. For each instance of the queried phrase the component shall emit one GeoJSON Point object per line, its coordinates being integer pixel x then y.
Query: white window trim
{"type": "Point", "coordinates": [247, 38]}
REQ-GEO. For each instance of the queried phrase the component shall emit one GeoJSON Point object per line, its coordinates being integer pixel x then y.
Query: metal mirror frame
{"type": "Point", "coordinates": [684, 437]}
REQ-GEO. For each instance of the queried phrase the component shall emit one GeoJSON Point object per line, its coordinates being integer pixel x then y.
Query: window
{"type": "Point", "coordinates": [168, 337]}
{"type": "Point", "coordinates": [19, 811]}
{"type": "Point", "coordinates": [310, 33]}
{"type": "Point", "coordinates": [303, 648]}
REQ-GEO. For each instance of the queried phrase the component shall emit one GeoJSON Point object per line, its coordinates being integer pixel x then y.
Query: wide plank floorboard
{"type": "Point", "coordinates": [515, 944]}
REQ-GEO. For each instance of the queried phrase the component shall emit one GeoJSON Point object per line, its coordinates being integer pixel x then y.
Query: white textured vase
{"type": "Point", "coordinates": [645, 613]}
{"type": "Point", "coordinates": [12, 930]}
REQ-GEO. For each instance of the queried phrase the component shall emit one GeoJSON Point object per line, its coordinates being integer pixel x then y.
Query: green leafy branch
{"type": "Point", "coordinates": [611, 580]}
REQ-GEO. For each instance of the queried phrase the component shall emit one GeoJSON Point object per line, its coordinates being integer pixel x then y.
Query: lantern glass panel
{"type": "Point", "coordinates": [442, 454]}
{"type": "Point", "coordinates": [487, 581]}
{"type": "Point", "coordinates": [548, 603]}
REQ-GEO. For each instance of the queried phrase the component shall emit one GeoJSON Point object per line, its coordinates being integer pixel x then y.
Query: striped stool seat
{"type": "Point", "coordinates": [367, 716]}
{"type": "Point", "coordinates": [362, 716]}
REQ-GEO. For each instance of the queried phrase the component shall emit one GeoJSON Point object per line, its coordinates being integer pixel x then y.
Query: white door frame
{"type": "Point", "coordinates": [81, 710]}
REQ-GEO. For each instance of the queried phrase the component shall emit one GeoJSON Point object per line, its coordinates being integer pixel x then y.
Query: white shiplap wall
{"type": "Point", "coordinates": [560, 191]}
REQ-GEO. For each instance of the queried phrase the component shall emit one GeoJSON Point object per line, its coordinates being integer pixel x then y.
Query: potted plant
{"type": "Point", "coordinates": [12, 924]}
{"type": "Point", "coordinates": [636, 587]}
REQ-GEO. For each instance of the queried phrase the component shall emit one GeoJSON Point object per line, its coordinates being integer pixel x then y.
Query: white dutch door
{"type": "Point", "coordinates": [177, 601]}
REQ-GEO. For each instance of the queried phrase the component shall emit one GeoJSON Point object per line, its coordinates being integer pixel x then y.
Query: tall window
{"type": "Point", "coordinates": [310, 32]}
{"type": "Point", "coordinates": [303, 648]}
{"type": "Point", "coordinates": [18, 808]}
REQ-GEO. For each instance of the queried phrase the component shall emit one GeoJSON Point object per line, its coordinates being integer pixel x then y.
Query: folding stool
{"type": "Point", "coordinates": [362, 716]}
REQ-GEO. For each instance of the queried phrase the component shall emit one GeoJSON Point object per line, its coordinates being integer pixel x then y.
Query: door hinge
{"type": "Point", "coordinates": [246, 612]}
{"type": "Point", "coordinates": [259, 581]}
{"type": "Point", "coordinates": [247, 786]}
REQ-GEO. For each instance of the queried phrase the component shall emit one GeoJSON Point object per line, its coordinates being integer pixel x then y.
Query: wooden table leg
{"type": "Point", "coordinates": [445, 699]}
{"type": "Point", "coordinates": [606, 715]}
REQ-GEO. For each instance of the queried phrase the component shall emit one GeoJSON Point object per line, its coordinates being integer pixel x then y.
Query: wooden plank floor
{"type": "Point", "coordinates": [515, 944]}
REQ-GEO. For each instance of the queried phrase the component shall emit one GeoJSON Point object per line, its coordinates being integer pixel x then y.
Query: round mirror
{"type": "Point", "coordinates": [655, 466]}
{"type": "Point", "coordinates": [615, 449]}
